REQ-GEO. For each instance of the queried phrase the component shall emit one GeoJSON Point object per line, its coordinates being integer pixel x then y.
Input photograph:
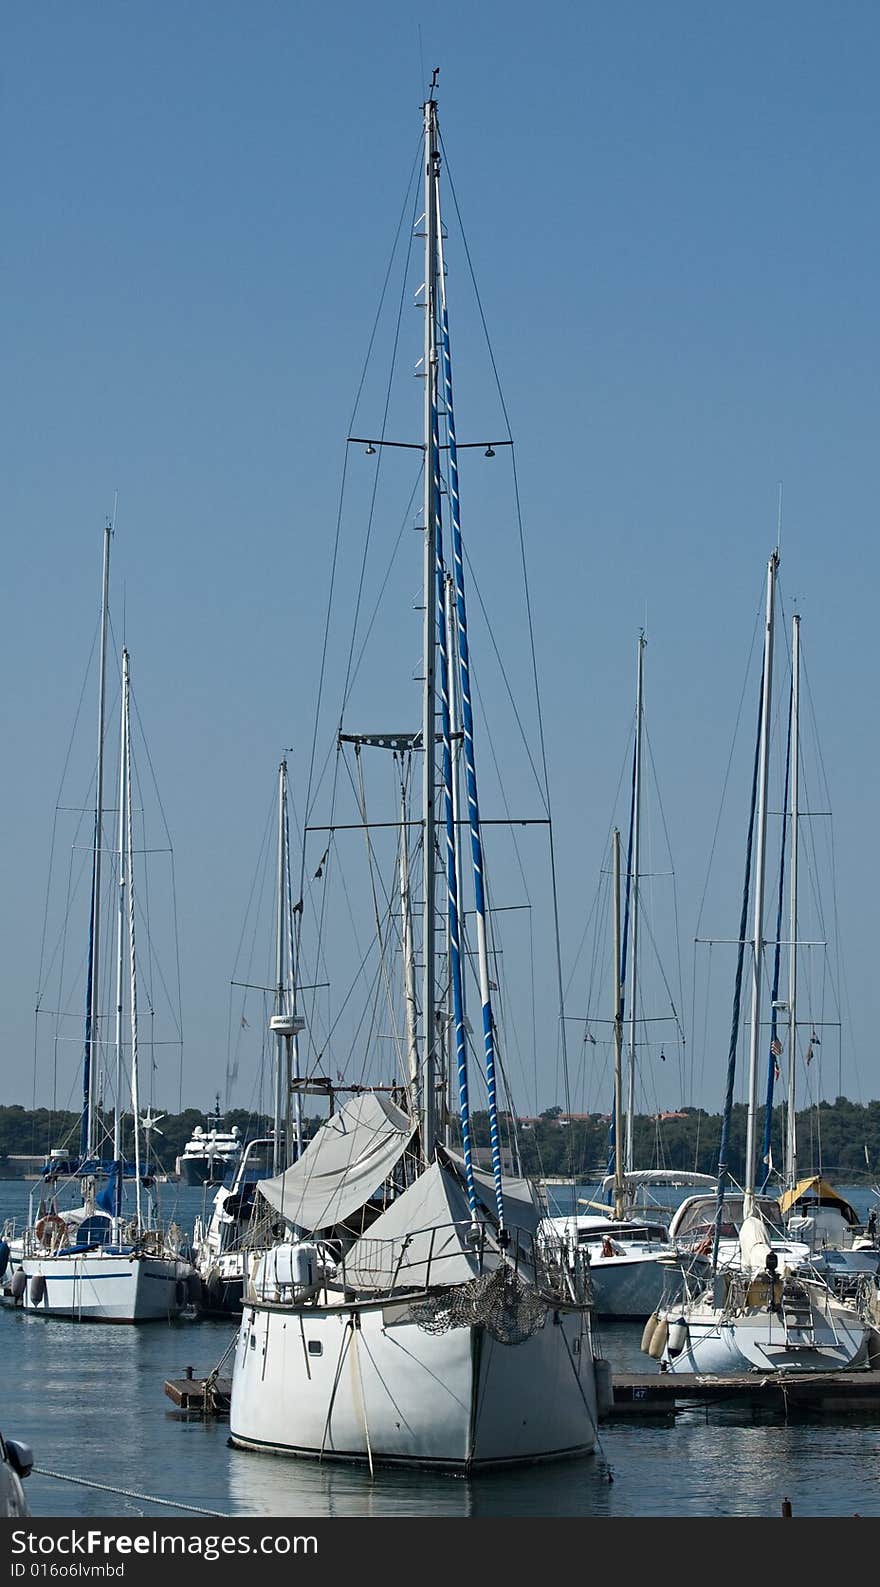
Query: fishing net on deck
{"type": "Point", "coordinates": [509, 1310]}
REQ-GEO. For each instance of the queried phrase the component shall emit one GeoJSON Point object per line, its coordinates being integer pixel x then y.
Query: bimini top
{"type": "Point", "coordinates": [818, 1190]}
{"type": "Point", "coordinates": [343, 1165]}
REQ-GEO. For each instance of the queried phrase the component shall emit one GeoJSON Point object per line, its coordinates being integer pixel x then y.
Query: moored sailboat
{"type": "Point", "coordinates": [758, 1312]}
{"type": "Point", "coordinates": [634, 1266]}
{"type": "Point", "coordinates": [85, 1255]}
{"type": "Point", "coordinates": [412, 1314]}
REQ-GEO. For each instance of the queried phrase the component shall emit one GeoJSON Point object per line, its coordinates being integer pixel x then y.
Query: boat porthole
{"type": "Point", "coordinates": [315, 1347]}
{"type": "Point", "coordinates": [253, 1341]}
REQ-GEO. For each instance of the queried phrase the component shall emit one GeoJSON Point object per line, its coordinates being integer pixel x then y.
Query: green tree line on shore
{"type": "Point", "coordinates": [841, 1137]}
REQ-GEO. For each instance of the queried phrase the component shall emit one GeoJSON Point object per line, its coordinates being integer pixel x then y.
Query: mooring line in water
{"type": "Point", "coordinates": [128, 1493]}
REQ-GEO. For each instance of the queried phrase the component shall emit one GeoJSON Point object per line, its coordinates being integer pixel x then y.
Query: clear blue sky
{"type": "Point", "coordinates": [673, 222]}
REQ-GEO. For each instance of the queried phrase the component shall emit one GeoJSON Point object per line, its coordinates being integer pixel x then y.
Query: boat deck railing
{"type": "Point", "coordinates": [430, 1258]}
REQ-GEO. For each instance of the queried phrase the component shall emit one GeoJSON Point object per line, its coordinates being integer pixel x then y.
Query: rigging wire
{"type": "Point", "coordinates": [530, 626]}
{"type": "Point", "coordinates": [728, 770]}
{"type": "Point", "coordinates": [338, 531]}
{"type": "Point", "coordinates": [361, 795]}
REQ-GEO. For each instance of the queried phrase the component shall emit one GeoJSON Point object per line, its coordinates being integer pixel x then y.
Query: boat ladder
{"type": "Point", "coordinates": [797, 1316]}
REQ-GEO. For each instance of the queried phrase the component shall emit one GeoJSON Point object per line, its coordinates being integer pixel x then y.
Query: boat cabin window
{"type": "Point", "coordinates": [315, 1347]}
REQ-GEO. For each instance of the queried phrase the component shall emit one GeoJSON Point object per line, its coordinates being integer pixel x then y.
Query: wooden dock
{"type": "Point", "coordinates": [640, 1395]}
{"type": "Point", "coordinates": [200, 1396]}
{"type": "Point", "coordinates": [651, 1396]}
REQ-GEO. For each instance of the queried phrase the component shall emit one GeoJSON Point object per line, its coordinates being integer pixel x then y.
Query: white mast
{"type": "Point", "coordinates": [129, 848]}
{"type": "Point", "coordinates": [121, 933]}
{"type": "Point", "coordinates": [760, 867]}
{"type": "Point", "coordinates": [634, 913]}
{"type": "Point", "coordinates": [296, 1024]}
{"type": "Point", "coordinates": [409, 963]}
{"type": "Point", "coordinates": [791, 1121]}
{"type": "Point", "coordinates": [285, 1024]}
{"type": "Point", "coordinates": [618, 1037]}
{"type": "Point", "coordinates": [431, 492]}
{"type": "Point", "coordinates": [280, 1110]}
{"type": "Point", "coordinates": [94, 987]}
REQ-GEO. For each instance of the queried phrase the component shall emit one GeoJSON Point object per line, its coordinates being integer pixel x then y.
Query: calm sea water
{"type": "Point", "coordinates": [90, 1400]}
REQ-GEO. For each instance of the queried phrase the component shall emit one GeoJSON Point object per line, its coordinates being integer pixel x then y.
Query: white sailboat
{"type": "Point", "coordinates": [419, 1320]}
{"type": "Point", "coordinates": [634, 1265]}
{"type": "Point", "coordinates": [83, 1255]}
{"type": "Point", "coordinates": [758, 1313]}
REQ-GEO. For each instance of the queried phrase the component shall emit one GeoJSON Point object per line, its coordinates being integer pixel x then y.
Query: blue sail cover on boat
{"type": "Point", "coordinates": [109, 1199]}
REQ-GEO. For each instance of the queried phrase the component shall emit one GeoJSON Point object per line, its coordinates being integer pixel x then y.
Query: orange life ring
{"type": "Point", "coordinates": [47, 1228]}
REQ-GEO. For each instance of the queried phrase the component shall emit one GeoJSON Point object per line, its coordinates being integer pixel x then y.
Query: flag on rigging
{"type": "Point", "coordinates": [776, 1047]}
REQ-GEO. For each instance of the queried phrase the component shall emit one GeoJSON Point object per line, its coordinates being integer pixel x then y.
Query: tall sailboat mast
{"type": "Point", "coordinates": [279, 1110]}
{"type": "Point", "coordinates": [90, 1055]}
{"type": "Point", "coordinates": [431, 500]}
{"type": "Point", "coordinates": [455, 736]}
{"type": "Point", "coordinates": [408, 950]}
{"type": "Point", "coordinates": [294, 1126]}
{"type": "Point", "coordinates": [121, 936]}
{"type": "Point", "coordinates": [464, 679]}
{"type": "Point", "coordinates": [760, 869]}
{"type": "Point", "coordinates": [791, 1118]}
{"type": "Point", "coordinates": [634, 911]}
{"type": "Point", "coordinates": [132, 957]}
{"type": "Point", "coordinates": [618, 1035]}
{"type": "Point", "coordinates": [285, 1024]}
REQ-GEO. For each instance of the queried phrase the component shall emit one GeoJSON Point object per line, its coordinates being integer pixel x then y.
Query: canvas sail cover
{"type": "Point", "coordinates": [423, 1237]}
{"type": "Point", "coordinates": [343, 1165]}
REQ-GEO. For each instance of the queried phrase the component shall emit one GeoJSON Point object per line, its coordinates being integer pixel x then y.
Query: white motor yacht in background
{"type": "Point", "coordinates": [211, 1155]}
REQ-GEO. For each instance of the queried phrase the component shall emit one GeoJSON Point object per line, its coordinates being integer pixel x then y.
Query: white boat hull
{"type": "Point", "coordinates": [106, 1287]}
{"type": "Point", "coordinates": [366, 1383]}
{"type": "Point", "coordinates": [632, 1286]}
{"type": "Point", "coordinates": [756, 1342]}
